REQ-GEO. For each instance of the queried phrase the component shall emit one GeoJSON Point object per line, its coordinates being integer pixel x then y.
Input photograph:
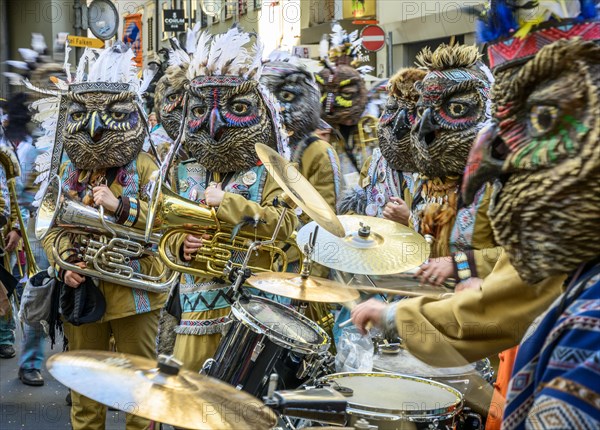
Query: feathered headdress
{"type": "Point", "coordinates": [517, 29]}
{"type": "Point", "coordinates": [226, 60]}
{"type": "Point", "coordinates": [108, 70]}
{"type": "Point", "coordinates": [339, 47]}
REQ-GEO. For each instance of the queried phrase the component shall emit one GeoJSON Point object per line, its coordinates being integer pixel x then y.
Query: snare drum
{"type": "Point", "coordinates": [470, 379]}
{"type": "Point", "coordinates": [397, 402]}
{"type": "Point", "coordinates": [266, 337]}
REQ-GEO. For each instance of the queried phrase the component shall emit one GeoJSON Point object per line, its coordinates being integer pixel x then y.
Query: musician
{"type": "Point", "coordinates": [554, 374]}
{"type": "Point", "coordinates": [298, 96]}
{"type": "Point", "coordinates": [343, 101]}
{"type": "Point", "coordinates": [103, 136]}
{"type": "Point", "coordinates": [228, 112]}
{"type": "Point", "coordinates": [387, 179]}
{"type": "Point", "coordinates": [453, 106]}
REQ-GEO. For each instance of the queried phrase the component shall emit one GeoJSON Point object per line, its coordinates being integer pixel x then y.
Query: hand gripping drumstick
{"type": "Point", "coordinates": [351, 305]}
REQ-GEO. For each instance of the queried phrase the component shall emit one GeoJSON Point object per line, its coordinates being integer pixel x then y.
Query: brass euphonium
{"type": "Point", "coordinates": [105, 247]}
{"type": "Point", "coordinates": [174, 215]}
{"type": "Point", "coordinates": [9, 161]}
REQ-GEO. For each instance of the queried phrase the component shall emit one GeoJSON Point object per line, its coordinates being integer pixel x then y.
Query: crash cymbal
{"type": "Point", "coordinates": [311, 289]}
{"type": "Point", "coordinates": [300, 190]}
{"type": "Point", "coordinates": [371, 246]}
{"type": "Point", "coordinates": [135, 385]}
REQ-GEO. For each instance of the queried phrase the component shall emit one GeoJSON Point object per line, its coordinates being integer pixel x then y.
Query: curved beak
{"type": "Point", "coordinates": [482, 166]}
{"type": "Point", "coordinates": [401, 126]}
{"type": "Point", "coordinates": [427, 127]}
{"type": "Point", "coordinates": [215, 122]}
{"type": "Point", "coordinates": [95, 127]}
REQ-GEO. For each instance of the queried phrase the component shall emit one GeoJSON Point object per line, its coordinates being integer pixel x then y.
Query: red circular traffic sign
{"type": "Point", "coordinates": [373, 37]}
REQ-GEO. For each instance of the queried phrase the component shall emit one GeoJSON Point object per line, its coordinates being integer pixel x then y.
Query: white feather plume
{"type": "Point", "coordinates": [29, 55]}
{"type": "Point", "coordinates": [324, 47]}
{"type": "Point", "coordinates": [21, 65]}
{"type": "Point", "coordinates": [256, 65]}
{"type": "Point", "coordinates": [14, 78]}
{"type": "Point", "coordinates": [66, 64]}
{"type": "Point", "coordinates": [38, 43]}
{"type": "Point", "coordinates": [192, 38]}
{"type": "Point", "coordinates": [226, 54]}
{"type": "Point", "coordinates": [46, 112]}
{"type": "Point", "coordinates": [115, 64]}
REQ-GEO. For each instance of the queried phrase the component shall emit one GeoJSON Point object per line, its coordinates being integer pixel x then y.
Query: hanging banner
{"type": "Point", "coordinates": [132, 34]}
{"type": "Point", "coordinates": [358, 8]}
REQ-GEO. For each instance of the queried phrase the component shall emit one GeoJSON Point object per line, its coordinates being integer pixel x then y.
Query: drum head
{"type": "Point", "coordinates": [284, 324]}
{"type": "Point", "coordinates": [397, 394]}
{"type": "Point", "coordinates": [404, 362]}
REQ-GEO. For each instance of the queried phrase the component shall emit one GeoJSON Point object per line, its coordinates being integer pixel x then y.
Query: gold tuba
{"type": "Point", "coordinates": [107, 248]}
{"type": "Point", "coordinates": [9, 161]}
{"type": "Point", "coordinates": [175, 215]}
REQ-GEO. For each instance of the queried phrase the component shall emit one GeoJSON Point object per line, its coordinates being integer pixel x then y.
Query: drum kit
{"type": "Point", "coordinates": [273, 352]}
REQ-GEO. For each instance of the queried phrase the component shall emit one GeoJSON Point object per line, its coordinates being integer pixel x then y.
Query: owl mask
{"type": "Point", "coordinates": [298, 96]}
{"type": "Point", "coordinates": [453, 107]}
{"type": "Point", "coordinates": [397, 119]}
{"type": "Point", "coordinates": [228, 111]}
{"type": "Point", "coordinates": [543, 145]}
{"type": "Point", "coordinates": [103, 128]}
{"type": "Point", "coordinates": [343, 91]}
{"type": "Point", "coordinates": [168, 99]}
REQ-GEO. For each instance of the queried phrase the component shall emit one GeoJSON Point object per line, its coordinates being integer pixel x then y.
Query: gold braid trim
{"type": "Point", "coordinates": [439, 212]}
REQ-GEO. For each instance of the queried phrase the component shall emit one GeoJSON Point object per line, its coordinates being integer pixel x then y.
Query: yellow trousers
{"type": "Point", "coordinates": [134, 334]}
{"type": "Point", "coordinates": [194, 350]}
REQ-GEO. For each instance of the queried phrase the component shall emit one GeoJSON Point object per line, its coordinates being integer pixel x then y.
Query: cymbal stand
{"type": "Point", "coordinates": [242, 273]}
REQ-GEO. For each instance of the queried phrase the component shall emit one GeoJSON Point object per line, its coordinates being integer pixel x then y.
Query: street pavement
{"type": "Point", "coordinates": [39, 408]}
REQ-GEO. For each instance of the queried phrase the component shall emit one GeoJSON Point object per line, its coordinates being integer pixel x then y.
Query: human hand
{"type": "Point", "coordinates": [469, 284]}
{"type": "Point", "coordinates": [12, 240]}
{"type": "Point", "coordinates": [367, 312]}
{"type": "Point", "coordinates": [436, 271]}
{"type": "Point", "coordinates": [104, 197]}
{"type": "Point", "coordinates": [396, 210]}
{"type": "Point", "coordinates": [192, 244]}
{"type": "Point", "coordinates": [74, 279]}
{"type": "Point", "coordinates": [214, 195]}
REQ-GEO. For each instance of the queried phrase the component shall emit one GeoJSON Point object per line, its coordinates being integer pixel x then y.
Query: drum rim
{"type": "Point", "coordinates": [248, 320]}
{"type": "Point", "coordinates": [446, 412]}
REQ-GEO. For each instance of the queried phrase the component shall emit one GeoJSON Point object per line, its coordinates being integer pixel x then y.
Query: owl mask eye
{"type": "Point", "coordinates": [542, 119]}
{"type": "Point", "coordinates": [119, 116]}
{"type": "Point", "coordinates": [171, 98]}
{"type": "Point", "coordinates": [77, 116]}
{"type": "Point", "coordinates": [457, 109]}
{"type": "Point", "coordinates": [287, 96]}
{"type": "Point", "coordinates": [240, 108]}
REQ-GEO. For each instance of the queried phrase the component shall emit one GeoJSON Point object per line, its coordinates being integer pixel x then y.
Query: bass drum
{"type": "Point", "coordinates": [267, 337]}
{"type": "Point", "coordinates": [472, 380]}
{"type": "Point", "coordinates": [397, 402]}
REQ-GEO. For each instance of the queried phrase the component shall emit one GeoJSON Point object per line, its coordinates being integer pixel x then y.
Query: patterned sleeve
{"type": "Point", "coordinates": [4, 198]}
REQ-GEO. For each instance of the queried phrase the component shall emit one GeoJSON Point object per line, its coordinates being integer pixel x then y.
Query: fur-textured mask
{"type": "Point", "coordinates": [103, 129]}
{"type": "Point", "coordinates": [398, 118]}
{"type": "Point", "coordinates": [168, 99]}
{"type": "Point", "coordinates": [453, 107]}
{"type": "Point", "coordinates": [343, 95]}
{"type": "Point", "coordinates": [228, 111]}
{"type": "Point", "coordinates": [543, 144]}
{"type": "Point", "coordinates": [298, 96]}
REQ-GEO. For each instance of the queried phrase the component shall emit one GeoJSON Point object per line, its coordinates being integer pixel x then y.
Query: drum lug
{"type": "Point", "coordinates": [206, 366]}
{"type": "Point", "coordinates": [258, 348]}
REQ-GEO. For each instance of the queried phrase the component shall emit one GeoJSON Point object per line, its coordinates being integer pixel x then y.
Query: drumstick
{"type": "Point", "coordinates": [351, 305]}
{"type": "Point", "coordinates": [397, 292]}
